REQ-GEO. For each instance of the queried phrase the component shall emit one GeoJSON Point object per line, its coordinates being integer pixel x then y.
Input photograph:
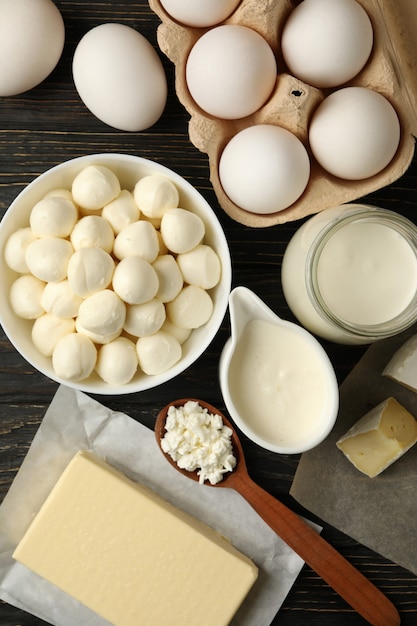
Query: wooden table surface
{"type": "Point", "coordinates": [48, 125]}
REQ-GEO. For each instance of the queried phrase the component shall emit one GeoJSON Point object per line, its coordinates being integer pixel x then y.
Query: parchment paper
{"type": "Point", "coordinates": [379, 512]}
{"type": "Point", "coordinates": [74, 422]}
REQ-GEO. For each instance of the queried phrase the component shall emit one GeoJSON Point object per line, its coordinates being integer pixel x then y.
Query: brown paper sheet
{"type": "Point", "coordinates": [380, 512]}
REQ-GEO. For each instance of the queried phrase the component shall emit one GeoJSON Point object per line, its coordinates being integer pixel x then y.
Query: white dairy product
{"type": "Point", "coordinates": [137, 239]}
{"type": "Point", "coordinates": [92, 231]}
{"type": "Point", "coordinates": [135, 280]}
{"type": "Point", "coordinates": [181, 230]}
{"type": "Point", "coordinates": [89, 271]}
{"type": "Point", "coordinates": [279, 385]}
{"type": "Point", "coordinates": [26, 295]}
{"type": "Point", "coordinates": [132, 557]}
{"type": "Point", "coordinates": [74, 357]}
{"type": "Point", "coordinates": [15, 249]}
{"type": "Point", "coordinates": [180, 334]}
{"type": "Point", "coordinates": [48, 329]}
{"type": "Point", "coordinates": [170, 278]}
{"type": "Point", "coordinates": [101, 316]}
{"type": "Point", "coordinates": [198, 440]}
{"type": "Point", "coordinates": [379, 438]}
{"type": "Point", "coordinates": [48, 258]}
{"type": "Point", "coordinates": [144, 319]}
{"type": "Point", "coordinates": [349, 274]}
{"type": "Point", "coordinates": [158, 352]}
{"type": "Point", "coordinates": [191, 308]}
{"type": "Point", "coordinates": [200, 267]}
{"type": "Point", "coordinates": [117, 361]}
{"type": "Point", "coordinates": [59, 299]}
{"type": "Point", "coordinates": [155, 194]}
{"type": "Point", "coordinates": [59, 192]}
{"type": "Point", "coordinates": [53, 216]}
{"type": "Point", "coordinates": [402, 367]}
{"type": "Point", "coordinates": [94, 187]}
{"type": "Point", "coordinates": [121, 211]}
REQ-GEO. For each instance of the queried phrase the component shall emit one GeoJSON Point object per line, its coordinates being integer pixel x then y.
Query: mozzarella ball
{"type": "Point", "coordinates": [158, 353]}
{"type": "Point", "coordinates": [121, 212]}
{"type": "Point", "coordinates": [48, 329]}
{"type": "Point", "coordinates": [117, 361]}
{"type": "Point", "coordinates": [26, 295]}
{"type": "Point", "coordinates": [89, 271]}
{"type": "Point", "coordinates": [15, 249]}
{"type": "Point", "coordinates": [200, 267]}
{"type": "Point", "coordinates": [180, 334]}
{"type": "Point", "coordinates": [264, 169]}
{"type": "Point", "coordinates": [94, 187]}
{"type": "Point", "coordinates": [200, 14]}
{"type": "Point", "coordinates": [59, 299]}
{"type": "Point", "coordinates": [181, 230]}
{"type": "Point", "coordinates": [144, 319]}
{"type": "Point", "coordinates": [354, 133]}
{"type": "Point", "coordinates": [92, 231]}
{"type": "Point", "coordinates": [74, 357]}
{"type": "Point", "coordinates": [120, 77]}
{"type": "Point", "coordinates": [155, 194]}
{"type": "Point", "coordinates": [59, 192]}
{"type": "Point", "coordinates": [139, 239]}
{"type": "Point", "coordinates": [32, 35]}
{"type": "Point", "coordinates": [327, 43]}
{"type": "Point", "coordinates": [135, 281]}
{"type": "Point", "coordinates": [101, 316]}
{"type": "Point", "coordinates": [53, 216]}
{"type": "Point", "coordinates": [48, 258]}
{"type": "Point", "coordinates": [169, 276]}
{"type": "Point", "coordinates": [231, 71]}
{"type": "Point", "coordinates": [191, 308]}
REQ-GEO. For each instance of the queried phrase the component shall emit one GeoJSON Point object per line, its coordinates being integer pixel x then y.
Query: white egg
{"type": "Point", "coordinates": [202, 13]}
{"type": "Point", "coordinates": [264, 169]}
{"type": "Point", "coordinates": [326, 43]}
{"type": "Point", "coordinates": [32, 36]}
{"type": "Point", "coordinates": [231, 71]}
{"type": "Point", "coordinates": [354, 133]}
{"type": "Point", "coordinates": [120, 77]}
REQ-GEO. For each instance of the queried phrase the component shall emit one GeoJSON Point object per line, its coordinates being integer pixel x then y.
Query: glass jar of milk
{"type": "Point", "coordinates": [349, 274]}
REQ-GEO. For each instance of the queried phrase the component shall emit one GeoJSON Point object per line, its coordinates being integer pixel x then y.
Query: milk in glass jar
{"type": "Point", "coordinates": [349, 274]}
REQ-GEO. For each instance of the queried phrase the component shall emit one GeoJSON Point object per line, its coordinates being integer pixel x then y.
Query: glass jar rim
{"type": "Point", "coordinates": [355, 212]}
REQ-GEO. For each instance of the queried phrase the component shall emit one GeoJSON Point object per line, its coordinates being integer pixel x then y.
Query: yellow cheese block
{"type": "Point", "coordinates": [403, 365]}
{"type": "Point", "coordinates": [131, 557]}
{"type": "Point", "coordinates": [379, 438]}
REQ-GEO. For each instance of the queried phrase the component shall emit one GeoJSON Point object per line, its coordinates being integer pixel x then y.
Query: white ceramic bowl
{"type": "Point", "coordinates": [128, 169]}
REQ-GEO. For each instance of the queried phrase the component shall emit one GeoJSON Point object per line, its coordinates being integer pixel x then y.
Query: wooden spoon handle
{"type": "Point", "coordinates": [345, 579]}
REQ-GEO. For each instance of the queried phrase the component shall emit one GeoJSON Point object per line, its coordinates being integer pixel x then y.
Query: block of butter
{"type": "Point", "coordinates": [379, 438]}
{"type": "Point", "coordinates": [130, 556]}
{"type": "Point", "coordinates": [403, 365]}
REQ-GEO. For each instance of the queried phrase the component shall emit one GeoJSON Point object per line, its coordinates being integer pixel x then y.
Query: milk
{"type": "Point", "coordinates": [350, 274]}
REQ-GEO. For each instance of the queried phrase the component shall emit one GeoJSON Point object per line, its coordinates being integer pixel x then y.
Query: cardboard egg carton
{"type": "Point", "coordinates": [391, 70]}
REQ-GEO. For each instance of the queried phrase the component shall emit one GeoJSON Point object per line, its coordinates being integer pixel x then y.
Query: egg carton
{"type": "Point", "coordinates": [391, 70]}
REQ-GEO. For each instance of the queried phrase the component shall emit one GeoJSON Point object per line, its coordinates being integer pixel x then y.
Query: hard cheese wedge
{"type": "Point", "coordinates": [130, 556]}
{"type": "Point", "coordinates": [379, 438]}
{"type": "Point", "coordinates": [403, 366]}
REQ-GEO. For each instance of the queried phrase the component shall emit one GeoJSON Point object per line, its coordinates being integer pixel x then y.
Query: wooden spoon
{"type": "Point", "coordinates": [345, 579]}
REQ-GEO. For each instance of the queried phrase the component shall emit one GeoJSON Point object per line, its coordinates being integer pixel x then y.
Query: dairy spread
{"type": "Point", "coordinates": [379, 438]}
{"type": "Point", "coordinates": [403, 365]}
{"type": "Point", "coordinates": [131, 557]}
{"type": "Point", "coordinates": [199, 441]}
